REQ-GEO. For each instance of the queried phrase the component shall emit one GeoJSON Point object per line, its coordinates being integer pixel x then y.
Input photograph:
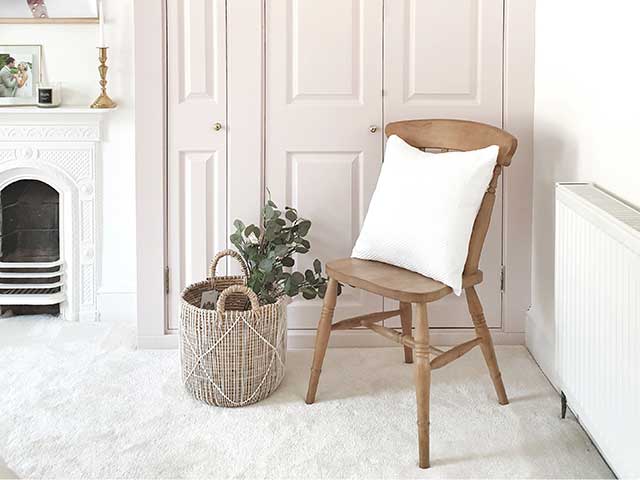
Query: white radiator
{"type": "Point", "coordinates": [597, 311]}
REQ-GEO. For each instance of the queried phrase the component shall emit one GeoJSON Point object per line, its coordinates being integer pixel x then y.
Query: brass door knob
{"type": "Point", "coordinates": [373, 129]}
{"type": "Point", "coordinates": [217, 126]}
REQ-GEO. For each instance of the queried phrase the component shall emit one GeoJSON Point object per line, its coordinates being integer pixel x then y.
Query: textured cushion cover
{"type": "Point", "coordinates": [422, 211]}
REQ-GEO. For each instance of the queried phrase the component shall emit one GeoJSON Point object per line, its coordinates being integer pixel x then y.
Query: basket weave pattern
{"type": "Point", "coordinates": [231, 356]}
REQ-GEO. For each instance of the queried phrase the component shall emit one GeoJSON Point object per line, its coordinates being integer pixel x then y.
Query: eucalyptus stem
{"type": "Point", "coordinates": [271, 252]}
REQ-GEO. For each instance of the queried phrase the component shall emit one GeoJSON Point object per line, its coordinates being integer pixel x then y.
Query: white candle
{"type": "Point", "coordinates": [101, 15]}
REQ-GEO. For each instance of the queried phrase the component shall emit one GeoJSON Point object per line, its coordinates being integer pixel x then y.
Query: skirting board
{"type": "Point", "coordinates": [117, 306]}
{"type": "Point", "coordinates": [351, 338]}
{"type": "Point", "coordinates": [541, 345]}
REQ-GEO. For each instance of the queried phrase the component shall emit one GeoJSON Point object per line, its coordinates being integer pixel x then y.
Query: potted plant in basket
{"type": "Point", "coordinates": [233, 352]}
{"type": "Point", "coordinates": [269, 252]}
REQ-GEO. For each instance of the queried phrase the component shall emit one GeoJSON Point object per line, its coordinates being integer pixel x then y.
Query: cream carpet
{"type": "Point", "coordinates": [77, 400]}
{"type": "Point", "coordinates": [5, 473]}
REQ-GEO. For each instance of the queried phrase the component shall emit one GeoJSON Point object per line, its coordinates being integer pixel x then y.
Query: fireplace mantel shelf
{"type": "Point", "coordinates": [64, 110]}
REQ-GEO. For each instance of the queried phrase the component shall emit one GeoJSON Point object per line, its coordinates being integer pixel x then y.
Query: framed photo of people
{"type": "Point", "coordinates": [19, 74]}
{"type": "Point", "coordinates": [48, 11]}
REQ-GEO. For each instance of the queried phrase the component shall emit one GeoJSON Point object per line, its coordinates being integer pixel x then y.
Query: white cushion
{"type": "Point", "coordinates": [421, 214]}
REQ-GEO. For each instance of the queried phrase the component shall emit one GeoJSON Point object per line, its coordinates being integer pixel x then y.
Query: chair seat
{"type": "Point", "coordinates": [393, 282]}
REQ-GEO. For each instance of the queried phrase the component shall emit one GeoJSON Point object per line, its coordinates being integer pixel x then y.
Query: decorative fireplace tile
{"type": "Point", "coordinates": [87, 218]}
{"type": "Point", "coordinates": [76, 163]}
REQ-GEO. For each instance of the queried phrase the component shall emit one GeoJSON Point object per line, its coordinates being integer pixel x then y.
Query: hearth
{"type": "Point", "coordinates": [30, 267]}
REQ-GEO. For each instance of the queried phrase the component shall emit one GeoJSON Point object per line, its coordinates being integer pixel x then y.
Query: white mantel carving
{"type": "Point", "coordinates": [61, 148]}
{"type": "Point", "coordinates": [52, 133]}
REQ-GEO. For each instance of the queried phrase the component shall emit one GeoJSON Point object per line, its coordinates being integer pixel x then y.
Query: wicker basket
{"type": "Point", "coordinates": [232, 356]}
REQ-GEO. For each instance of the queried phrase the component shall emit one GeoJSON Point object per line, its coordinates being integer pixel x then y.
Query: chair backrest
{"type": "Point", "coordinates": [462, 135]}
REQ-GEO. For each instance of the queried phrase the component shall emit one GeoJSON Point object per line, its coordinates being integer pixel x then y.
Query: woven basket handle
{"type": "Point", "coordinates": [230, 253]}
{"type": "Point", "coordinates": [255, 303]}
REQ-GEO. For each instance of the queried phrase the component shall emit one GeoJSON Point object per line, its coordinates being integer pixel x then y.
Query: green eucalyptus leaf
{"type": "Point", "coordinates": [266, 265]}
{"type": "Point", "coordinates": [304, 227]}
{"type": "Point", "coordinates": [238, 224]}
{"type": "Point", "coordinates": [309, 276]}
{"type": "Point", "coordinates": [317, 266]}
{"type": "Point", "coordinates": [291, 215]}
{"type": "Point", "coordinates": [281, 250]}
{"type": "Point", "coordinates": [269, 234]}
{"type": "Point", "coordinates": [308, 293]}
{"type": "Point", "coordinates": [297, 278]}
{"type": "Point", "coordinates": [291, 290]}
{"type": "Point", "coordinates": [235, 238]}
{"type": "Point", "coordinates": [268, 212]}
{"type": "Point", "coordinates": [288, 262]}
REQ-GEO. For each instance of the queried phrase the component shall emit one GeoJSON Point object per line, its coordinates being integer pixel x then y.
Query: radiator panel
{"type": "Point", "coordinates": [597, 291]}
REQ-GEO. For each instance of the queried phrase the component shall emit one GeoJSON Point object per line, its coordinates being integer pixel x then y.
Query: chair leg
{"type": "Point", "coordinates": [406, 321]}
{"type": "Point", "coordinates": [322, 338]}
{"type": "Point", "coordinates": [477, 315]}
{"type": "Point", "coordinates": [423, 383]}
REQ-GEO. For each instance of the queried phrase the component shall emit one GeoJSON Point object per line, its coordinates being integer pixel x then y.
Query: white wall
{"type": "Point", "coordinates": [70, 57]}
{"type": "Point", "coordinates": [586, 126]}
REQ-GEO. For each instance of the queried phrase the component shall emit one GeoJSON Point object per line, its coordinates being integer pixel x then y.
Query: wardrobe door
{"type": "Point", "coordinates": [324, 132]}
{"type": "Point", "coordinates": [197, 157]}
{"type": "Point", "coordinates": [443, 59]}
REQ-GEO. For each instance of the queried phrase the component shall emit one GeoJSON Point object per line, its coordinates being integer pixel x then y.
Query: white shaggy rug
{"type": "Point", "coordinates": [77, 400]}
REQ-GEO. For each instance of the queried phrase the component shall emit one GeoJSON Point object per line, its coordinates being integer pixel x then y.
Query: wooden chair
{"type": "Point", "coordinates": [412, 288]}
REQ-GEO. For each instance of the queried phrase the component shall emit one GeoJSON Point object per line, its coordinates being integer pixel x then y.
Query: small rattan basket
{"type": "Point", "coordinates": [234, 355]}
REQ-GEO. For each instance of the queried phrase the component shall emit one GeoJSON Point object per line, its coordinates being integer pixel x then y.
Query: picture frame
{"type": "Point", "coordinates": [20, 78]}
{"type": "Point", "coordinates": [49, 11]}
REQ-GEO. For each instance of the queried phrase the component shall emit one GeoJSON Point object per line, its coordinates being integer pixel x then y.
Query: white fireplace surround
{"type": "Point", "coordinates": [61, 148]}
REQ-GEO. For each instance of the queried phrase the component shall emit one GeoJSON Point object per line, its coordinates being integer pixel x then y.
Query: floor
{"type": "Point", "coordinates": [79, 401]}
{"type": "Point", "coordinates": [5, 472]}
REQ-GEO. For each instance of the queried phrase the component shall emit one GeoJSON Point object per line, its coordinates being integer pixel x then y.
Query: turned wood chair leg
{"type": "Point", "coordinates": [482, 331]}
{"type": "Point", "coordinates": [322, 338]}
{"type": "Point", "coordinates": [423, 383]}
{"type": "Point", "coordinates": [406, 321]}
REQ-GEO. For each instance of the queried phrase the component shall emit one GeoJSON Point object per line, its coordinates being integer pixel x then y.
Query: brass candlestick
{"type": "Point", "coordinates": [103, 101]}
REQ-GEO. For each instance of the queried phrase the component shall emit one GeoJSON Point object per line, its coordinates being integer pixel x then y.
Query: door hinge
{"type": "Point", "coordinates": [166, 279]}
{"type": "Point", "coordinates": [502, 278]}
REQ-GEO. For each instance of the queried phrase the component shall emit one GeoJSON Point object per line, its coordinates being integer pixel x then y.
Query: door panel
{"type": "Point", "coordinates": [324, 84]}
{"type": "Point", "coordinates": [432, 73]}
{"type": "Point", "coordinates": [324, 64]}
{"type": "Point", "coordinates": [197, 154]}
{"type": "Point", "coordinates": [443, 59]}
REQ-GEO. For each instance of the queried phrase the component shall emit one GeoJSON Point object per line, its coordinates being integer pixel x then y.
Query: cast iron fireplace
{"type": "Point", "coordinates": [30, 266]}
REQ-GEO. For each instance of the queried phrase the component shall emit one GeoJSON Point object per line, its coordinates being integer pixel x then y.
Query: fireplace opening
{"type": "Point", "coordinates": [30, 268]}
{"type": "Point", "coordinates": [30, 229]}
